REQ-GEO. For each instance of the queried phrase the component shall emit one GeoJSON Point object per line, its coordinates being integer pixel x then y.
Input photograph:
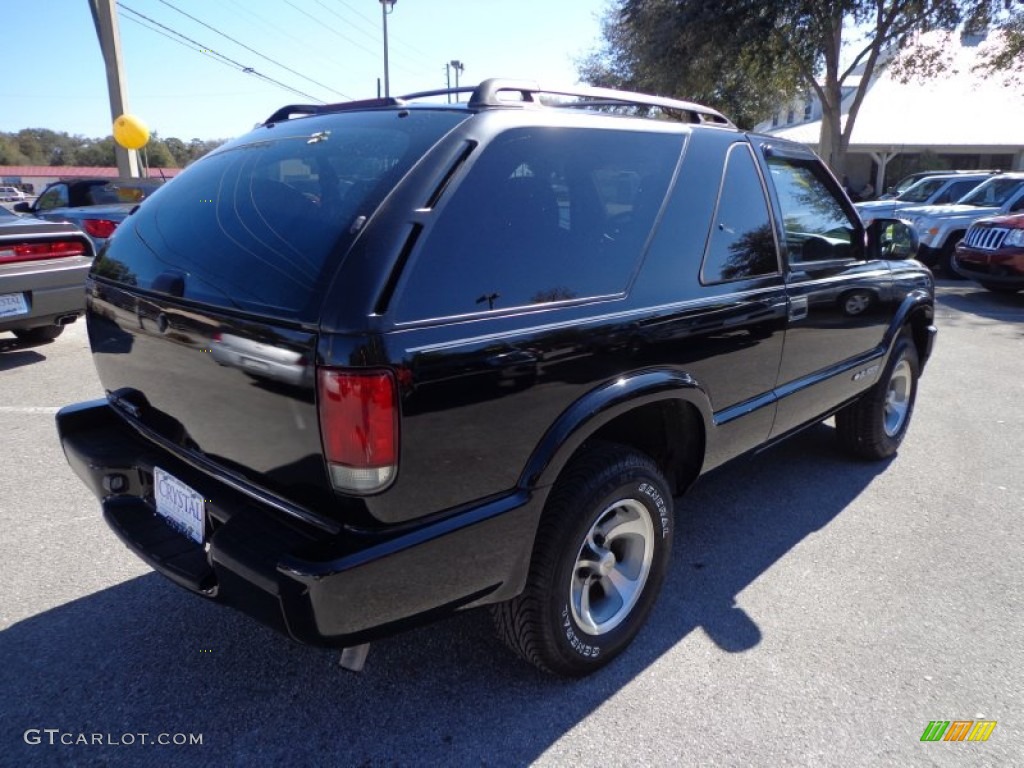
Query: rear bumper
{"type": "Point", "coordinates": [323, 588]}
{"type": "Point", "coordinates": [51, 290]}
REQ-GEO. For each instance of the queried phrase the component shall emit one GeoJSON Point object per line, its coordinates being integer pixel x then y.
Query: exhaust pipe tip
{"type": "Point", "coordinates": [65, 320]}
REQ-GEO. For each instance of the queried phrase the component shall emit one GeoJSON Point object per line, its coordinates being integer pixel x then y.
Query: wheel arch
{"type": "Point", "coordinates": [917, 312]}
{"type": "Point", "coordinates": [662, 413]}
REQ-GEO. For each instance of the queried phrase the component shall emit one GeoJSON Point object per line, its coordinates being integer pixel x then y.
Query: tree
{"type": "Point", "coordinates": [96, 152]}
{"type": "Point", "coordinates": [40, 146]}
{"type": "Point", "coordinates": [157, 154]}
{"type": "Point", "coordinates": [179, 151]}
{"type": "Point", "coordinates": [750, 56]}
{"type": "Point", "coordinates": [10, 153]}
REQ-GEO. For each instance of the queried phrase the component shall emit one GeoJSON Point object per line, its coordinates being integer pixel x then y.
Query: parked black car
{"type": "Point", "coordinates": [96, 205]}
{"type": "Point", "coordinates": [529, 321]}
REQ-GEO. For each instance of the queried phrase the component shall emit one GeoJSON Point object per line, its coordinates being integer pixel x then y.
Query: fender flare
{"type": "Point", "coordinates": [916, 303]}
{"type": "Point", "coordinates": [600, 406]}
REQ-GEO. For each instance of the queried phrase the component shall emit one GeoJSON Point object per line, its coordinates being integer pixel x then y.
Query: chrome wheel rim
{"type": "Point", "coordinates": [897, 398]}
{"type": "Point", "coordinates": [857, 303]}
{"type": "Point", "coordinates": [612, 567]}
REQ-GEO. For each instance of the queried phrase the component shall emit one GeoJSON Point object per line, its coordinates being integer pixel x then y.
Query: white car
{"type": "Point", "coordinates": [11, 195]}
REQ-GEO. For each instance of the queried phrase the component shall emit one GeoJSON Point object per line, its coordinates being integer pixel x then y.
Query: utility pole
{"type": "Point", "coordinates": [105, 18]}
{"type": "Point", "coordinates": [386, 7]}
{"type": "Point", "coordinates": [458, 66]}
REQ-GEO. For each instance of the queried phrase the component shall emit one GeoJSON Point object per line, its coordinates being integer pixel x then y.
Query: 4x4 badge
{"type": "Point", "coordinates": [866, 372]}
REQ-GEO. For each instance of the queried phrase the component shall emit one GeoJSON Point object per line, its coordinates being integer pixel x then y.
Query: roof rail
{"type": "Point", "coordinates": [487, 94]}
{"type": "Point", "coordinates": [294, 110]}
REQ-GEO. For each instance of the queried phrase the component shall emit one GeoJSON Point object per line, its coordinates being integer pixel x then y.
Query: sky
{"type": "Point", "coordinates": [328, 49]}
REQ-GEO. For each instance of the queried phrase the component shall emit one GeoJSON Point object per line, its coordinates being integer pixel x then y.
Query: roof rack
{"type": "Point", "coordinates": [489, 94]}
{"type": "Point", "coordinates": [300, 110]}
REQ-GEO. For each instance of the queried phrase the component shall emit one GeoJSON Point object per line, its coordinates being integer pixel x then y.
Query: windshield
{"type": "Point", "coordinates": [994, 193]}
{"type": "Point", "coordinates": [922, 191]}
{"type": "Point", "coordinates": [119, 192]}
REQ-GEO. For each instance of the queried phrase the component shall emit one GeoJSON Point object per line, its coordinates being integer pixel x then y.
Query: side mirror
{"type": "Point", "coordinates": [891, 239]}
{"type": "Point", "coordinates": [22, 208]}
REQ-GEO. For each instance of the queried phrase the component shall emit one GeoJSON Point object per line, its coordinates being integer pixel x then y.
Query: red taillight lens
{"type": "Point", "coordinates": [359, 426]}
{"type": "Point", "coordinates": [36, 251]}
{"type": "Point", "coordinates": [102, 228]}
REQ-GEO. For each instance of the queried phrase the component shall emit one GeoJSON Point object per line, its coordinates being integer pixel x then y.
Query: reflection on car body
{"type": "Point", "coordinates": [262, 360]}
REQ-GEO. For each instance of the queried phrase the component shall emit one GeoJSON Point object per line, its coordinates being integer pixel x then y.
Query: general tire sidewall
{"type": "Point", "coordinates": [583, 651]}
{"type": "Point", "coordinates": [904, 350]}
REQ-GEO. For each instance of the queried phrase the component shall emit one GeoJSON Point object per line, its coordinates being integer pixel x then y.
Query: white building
{"type": "Point", "coordinates": [959, 120]}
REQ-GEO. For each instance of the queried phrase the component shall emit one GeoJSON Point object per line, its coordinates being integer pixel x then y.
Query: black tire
{"type": "Point", "coordinates": [947, 256]}
{"type": "Point", "coordinates": [874, 426]}
{"type": "Point", "coordinates": [611, 510]}
{"type": "Point", "coordinates": [40, 335]}
{"type": "Point", "coordinates": [998, 288]}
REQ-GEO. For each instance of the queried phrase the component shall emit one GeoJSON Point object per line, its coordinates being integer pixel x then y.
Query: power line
{"type": "Point", "coordinates": [209, 51]}
{"type": "Point", "coordinates": [279, 32]}
{"type": "Point", "coordinates": [426, 56]}
{"type": "Point", "coordinates": [330, 28]}
{"type": "Point", "coordinates": [252, 50]}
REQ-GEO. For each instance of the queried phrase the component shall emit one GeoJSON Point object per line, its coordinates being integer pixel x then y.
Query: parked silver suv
{"type": "Point", "coordinates": [941, 227]}
{"type": "Point", "coordinates": [938, 189]}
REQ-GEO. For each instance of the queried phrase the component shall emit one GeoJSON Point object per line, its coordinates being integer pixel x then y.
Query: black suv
{"type": "Point", "coordinates": [378, 362]}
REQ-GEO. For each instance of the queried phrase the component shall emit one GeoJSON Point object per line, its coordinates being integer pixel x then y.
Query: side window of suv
{"type": "Point", "coordinates": [741, 243]}
{"type": "Point", "coordinates": [816, 225]}
{"type": "Point", "coordinates": [544, 215]}
{"type": "Point", "coordinates": [957, 190]}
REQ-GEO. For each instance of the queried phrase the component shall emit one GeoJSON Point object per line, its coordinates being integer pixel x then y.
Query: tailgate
{"type": "Point", "coordinates": [240, 393]}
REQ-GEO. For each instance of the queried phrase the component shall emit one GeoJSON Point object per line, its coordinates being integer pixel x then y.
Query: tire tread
{"type": "Point", "coordinates": [520, 622]}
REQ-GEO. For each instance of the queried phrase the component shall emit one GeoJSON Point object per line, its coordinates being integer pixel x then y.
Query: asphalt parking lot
{"type": "Point", "coordinates": [817, 612]}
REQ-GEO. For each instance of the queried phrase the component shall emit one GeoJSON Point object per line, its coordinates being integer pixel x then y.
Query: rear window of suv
{"type": "Point", "coordinates": [254, 226]}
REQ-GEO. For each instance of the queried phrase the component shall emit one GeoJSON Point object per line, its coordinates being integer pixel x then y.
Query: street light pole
{"type": "Point", "coordinates": [386, 7]}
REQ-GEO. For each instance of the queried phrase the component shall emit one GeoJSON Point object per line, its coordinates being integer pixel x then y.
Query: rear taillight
{"type": "Point", "coordinates": [101, 228]}
{"type": "Point", "coordinates": [36, 251]}
{"type": "Point", "coordinates": [359, 426]}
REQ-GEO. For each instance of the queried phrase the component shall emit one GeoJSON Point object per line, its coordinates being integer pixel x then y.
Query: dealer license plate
{"type": "Point", "coordinates": [13, 304]}
{"type": "Point", "coordinates": [179, 505]}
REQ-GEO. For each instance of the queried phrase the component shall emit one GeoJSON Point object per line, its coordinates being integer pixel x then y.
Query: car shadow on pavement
{"type": "Point", "coordinates": [13, 354]}
{"type": "Point", "coordinates": [1006, 307]}
{"type": "Point", "coordinates": [146, 657]}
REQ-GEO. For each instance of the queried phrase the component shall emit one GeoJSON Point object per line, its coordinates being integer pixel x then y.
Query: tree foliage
{"type": "Point", "coordinates": [749, 57]}
{"type": "Point", "coordinates": [41, 146]}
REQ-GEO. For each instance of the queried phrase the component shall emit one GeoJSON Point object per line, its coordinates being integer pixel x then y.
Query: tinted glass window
{"type": "Point", "coordinates": [54, 197]}
{"type": "Point", "coordinates": [254, 226]}
{"type": "Point", "coordinates": [958, 189]}
{"type": "Point", "coordinates": [545, 214]}
{"type": "Point", "coordinates": [118, 192]}
{"type": "Point", "coordinates": [921, 191]}
{"type": "Point", "coordinates": [817, 228]}
{"type": "Point", "coordinates": [741, 243]}
{"type": "Point", "coordinates": [994, 192]}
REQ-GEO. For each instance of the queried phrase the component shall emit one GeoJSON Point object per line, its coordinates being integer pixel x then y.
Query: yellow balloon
{"type": "Point", "coordinates": [130, 132]}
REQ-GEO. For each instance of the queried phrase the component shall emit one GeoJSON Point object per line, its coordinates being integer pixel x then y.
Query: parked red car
{"type": "Point", "coordinates": [992, 253]}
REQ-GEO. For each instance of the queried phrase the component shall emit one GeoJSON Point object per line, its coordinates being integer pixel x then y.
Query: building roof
{"type": "Point", "coordinates": [957, 109]}
{"type": "Point", "coordinates": [77, 171]}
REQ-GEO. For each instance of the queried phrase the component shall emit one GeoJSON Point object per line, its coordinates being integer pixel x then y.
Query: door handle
{"type": "Point", "coordinates": [798, 308]}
